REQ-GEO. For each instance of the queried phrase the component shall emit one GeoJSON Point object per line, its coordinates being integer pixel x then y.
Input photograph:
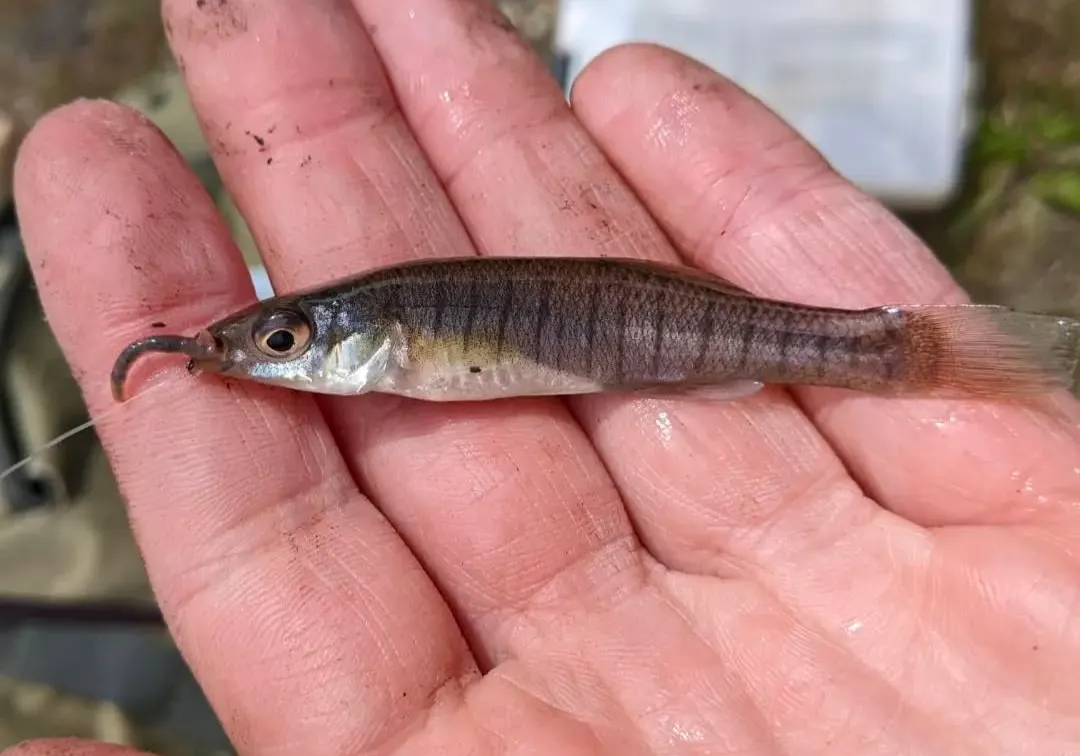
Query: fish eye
{"type": "Point", "coordinates": [282, 333]}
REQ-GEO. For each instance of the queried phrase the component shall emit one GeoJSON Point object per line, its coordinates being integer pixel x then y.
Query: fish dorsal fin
{"type": "Point", "coordinates": [685, 272]}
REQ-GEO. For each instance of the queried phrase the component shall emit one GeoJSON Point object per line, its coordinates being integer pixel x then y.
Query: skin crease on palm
{"type": "Point", "coordinates": [798, 572]}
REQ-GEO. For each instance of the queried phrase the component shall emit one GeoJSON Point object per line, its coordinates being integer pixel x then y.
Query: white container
{"type": "Point", "coordinates": [880, 87]}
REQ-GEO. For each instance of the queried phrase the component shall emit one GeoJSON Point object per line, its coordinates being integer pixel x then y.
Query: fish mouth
{"type": "Point", "coordinates": [208, 354]}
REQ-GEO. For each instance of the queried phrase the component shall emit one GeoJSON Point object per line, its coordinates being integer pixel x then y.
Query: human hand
{"type": "Point", "coordinates": [798, 572]}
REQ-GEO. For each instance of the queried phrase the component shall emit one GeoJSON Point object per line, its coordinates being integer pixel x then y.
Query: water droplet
{"type": "Point", "coordinates": [942, 421]}
{"type": "Point", "coordinates": [681, 731]}
{"type": "Point", "coordinates": [663, 424]}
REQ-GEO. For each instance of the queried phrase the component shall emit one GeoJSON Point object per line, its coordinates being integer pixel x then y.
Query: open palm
{"type": "Point", "coordinates": [800, 572]}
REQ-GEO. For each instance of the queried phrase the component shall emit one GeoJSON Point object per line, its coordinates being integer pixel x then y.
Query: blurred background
{"type": "Point", "coordinates": [963, 116]}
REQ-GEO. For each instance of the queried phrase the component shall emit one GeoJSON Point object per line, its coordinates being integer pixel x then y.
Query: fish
{"type": "Point", "coordinates": [487, 328]}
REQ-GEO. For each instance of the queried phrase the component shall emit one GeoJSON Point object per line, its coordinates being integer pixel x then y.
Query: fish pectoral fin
{"type": "Point", "coordinates": [720, 392]}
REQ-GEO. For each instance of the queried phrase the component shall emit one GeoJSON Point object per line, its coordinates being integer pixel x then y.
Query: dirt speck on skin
{"type": "Point", "coordinates": [212, 21]}
{"type": "Point", "coordinates": [512, 21]}
{"type": "Point", "coordinates": [498, 18]}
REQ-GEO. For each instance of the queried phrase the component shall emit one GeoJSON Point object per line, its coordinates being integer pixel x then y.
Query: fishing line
{"type": "Point", "coordinates": [49, 445]}
{"type": "Point", "coordinates": [81, 427]}
{"type": "Point", "coordinates": [98, 611]}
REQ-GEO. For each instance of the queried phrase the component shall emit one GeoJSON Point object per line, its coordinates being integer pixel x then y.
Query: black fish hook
{"type": "Point", "coordinates": [200, 348]}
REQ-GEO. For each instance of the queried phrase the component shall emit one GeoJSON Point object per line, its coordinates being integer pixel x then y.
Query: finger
{"type": "Point", "coordinates": [744, 196]}
{"type": "Point", "coordinates": [710, 485]}
{"type": "Point", "coordinates": [285, 589]}
{"type": "Point", "coordinates": [497, 500]}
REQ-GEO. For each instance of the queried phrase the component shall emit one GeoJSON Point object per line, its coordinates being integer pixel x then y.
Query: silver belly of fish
{"type": "Point", "coordinates": [450, 380]}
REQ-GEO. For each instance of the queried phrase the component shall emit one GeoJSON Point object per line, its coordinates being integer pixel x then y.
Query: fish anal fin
{"type": "Point", "coordinates": [724, 391]}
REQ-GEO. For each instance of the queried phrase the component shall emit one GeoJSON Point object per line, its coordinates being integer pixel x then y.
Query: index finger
{"type": "Point", "coordinates": [304, 616]}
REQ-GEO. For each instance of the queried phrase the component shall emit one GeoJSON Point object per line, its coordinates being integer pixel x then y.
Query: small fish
{"type": "Point", "coordinates": [482, 328]}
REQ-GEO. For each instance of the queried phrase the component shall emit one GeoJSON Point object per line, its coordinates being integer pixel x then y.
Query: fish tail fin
{"type": "Point", "coordinates": [988, 351]}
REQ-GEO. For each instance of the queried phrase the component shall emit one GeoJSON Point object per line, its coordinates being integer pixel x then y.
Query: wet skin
{"type": "Point", "coordinates": [797, 572]}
